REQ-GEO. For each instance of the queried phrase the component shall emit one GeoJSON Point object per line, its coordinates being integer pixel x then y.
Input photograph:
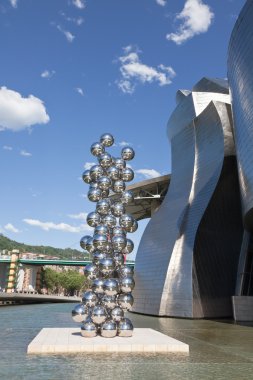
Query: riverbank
{"type": "Point", "coordinates": [27, 298]}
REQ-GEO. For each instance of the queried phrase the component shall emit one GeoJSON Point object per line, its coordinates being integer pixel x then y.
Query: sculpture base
{"type": "Point", "coordinates": [69, 340]}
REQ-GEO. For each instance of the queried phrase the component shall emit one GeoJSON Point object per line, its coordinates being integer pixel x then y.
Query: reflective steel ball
{"type": "Point", "coordinates": [80, 313]}
{"type": "Point", "coordinates": [127, 284]}
{"type": "Point", "coordinates": [106, 266]}
{"type": "Point", "coordinates": [91, 271]}
{"type": "Point", "coordinates": [99, 241]}
{"type": "Point", "coordinates": [125, 300]}
{"type": "Point", "coordinates": [129, 247]}
{"type": "Point", "coordinates": [103, 206]}
{"type": "Point", "coordinates": [107, 139]}
{"type": "Point", "coordinates": [126, 271]}
{"type": "Point", "coordinates": [96, 172]}
{"type": "Point", "coordinates": [105, 194]}
{"type": "Point", "coordinates": [117, 314]}
{"type": "Point", "coordinates": [97, 149]}
{"type": "Point", "coordinates": [89, 245]}
{"type": "Point", "coordinates": [118, 231]}
{"type": "Point", "coordinates": [93, 219]}
{"type": "Point", "coordinates": [101, 229]}
{"type": "Point", "coordinates": [119, 163]}
{"type": "Point", "coordinates": [97, 286]}
{"type": "Point", "coordinates": [134, 227]}
{"type": "Point", "coordinates": [125, 328]}
{"type": "Point", "coordinates": [127, 153]}
{"type": "Point", "coordinates": [93, 185]}
{"type": "Point", "coordinates": [118, 186]}
{"type": "Point", "coordinates": [119, 259]}
{"type": "Point", "coordinates": [94, 195]}
{"type": "Point", "coordinates": [109, 301]}
{"type": "Point", "coordinates": [89, 330]}
{"type": "Point", "coordinates": [109, 329]}
{"type": "Point", "coordinates": [111, 287]}
{"type": "Point", "coordinates": [127, 174]}
{"type": "Point", "coordinates": [110, 221]}
{"type": "Point", "coordinates": [113, 173]}
{"type": "Point", "coordinates": [119, 243]}
{"type": "Point", "coordinates": [126, 221]}
{"type": "Point", "coordinates": [86, 176]}
{"type": "Point", "coordinates": [99, 314]}
{"type": "Point", "coordinates": [105, 160]}
{"type": "Point", "coordinates": [84, 240]}
{"type": "Point", "coordinates": [89, 299]}
{"type": "Point", "coordinates": [117, 209]}
{"type": "Point", "coordinates": [104, 183]}
{"type": "Point", "coordinates": [97, 256]}
{"type": "Point", "coordinates": [127, 197]}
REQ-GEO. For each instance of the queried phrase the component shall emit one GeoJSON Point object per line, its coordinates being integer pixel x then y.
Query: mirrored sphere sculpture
{"type": "Point", "coordinates": [91, 271]}
{"type": "Point", "coordinates": [97, 149]}
{"type": "Point", "coordinates": [80, 313]}
{"type": "Point", "coordinates": [89, 299]}
{"type": "Point", "coordinates": [89, 330]}
{"type": "Point", "coordinates": [127, 153]}
{"type": "Point", "coordinates": [109, 329]}
{"type": "Point", "coordinates": [109, 278]}
{"type": "Point", "coordinates": [117, 314]}
{"type": "Point", "coordinates": [86, 176]}
{"type": "Point", "coordinates": [98, 314]}
{"type": "Point", "coordinates": [125, 328]}
{"type": "Point", "coordinates": [111, 287]}
{"type": "Point", "coordinates": [107, 139]}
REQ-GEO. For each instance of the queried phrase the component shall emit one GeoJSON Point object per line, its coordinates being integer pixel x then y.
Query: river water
{"type": "Point", "coordinates": [218, 349]}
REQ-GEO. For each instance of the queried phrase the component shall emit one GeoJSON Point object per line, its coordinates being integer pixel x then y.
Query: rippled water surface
{"type": "Point", "coordinates": [218, 350]}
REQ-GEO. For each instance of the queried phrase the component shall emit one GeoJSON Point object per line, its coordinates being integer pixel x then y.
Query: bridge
{"type": "Point", "coordinates": [55, 262]}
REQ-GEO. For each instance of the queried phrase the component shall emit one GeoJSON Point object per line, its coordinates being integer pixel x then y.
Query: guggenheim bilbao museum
{"type": "Point", "coordinates": [195, 258]}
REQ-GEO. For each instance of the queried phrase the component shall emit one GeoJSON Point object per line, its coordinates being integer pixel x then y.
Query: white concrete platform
{"type": "Point", "coordinates": [69, 340]}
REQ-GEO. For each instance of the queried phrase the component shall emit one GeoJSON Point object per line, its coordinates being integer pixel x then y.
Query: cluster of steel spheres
{"type": "Point", "coordinates": [104, 304]}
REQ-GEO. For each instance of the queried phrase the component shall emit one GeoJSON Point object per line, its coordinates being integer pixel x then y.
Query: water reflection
{"type": "Point", "coordinates": [218, 350]}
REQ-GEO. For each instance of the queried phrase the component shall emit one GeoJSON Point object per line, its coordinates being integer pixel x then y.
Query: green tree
{"type": "Point", "coordinates": [50, 280]}
{"type": "Point", "coordinates": [72, 281]}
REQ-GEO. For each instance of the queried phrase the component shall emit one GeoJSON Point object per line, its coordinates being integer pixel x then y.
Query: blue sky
{"type": "Point", "coordinates": [72, 70]}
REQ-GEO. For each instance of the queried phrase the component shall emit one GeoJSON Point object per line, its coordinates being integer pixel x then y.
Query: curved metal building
{"type": "Point", "coordinates": [240, 74]}
{"type": "Point", "coordinates": [186, 264]}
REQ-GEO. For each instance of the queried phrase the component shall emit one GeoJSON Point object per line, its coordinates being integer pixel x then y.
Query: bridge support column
{"type": "Point", "coordinates": [12, 274]}
{"type": "Point", "coordinates": [38, 279]}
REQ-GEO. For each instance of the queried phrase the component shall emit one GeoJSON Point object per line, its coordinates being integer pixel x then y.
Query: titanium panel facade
{"type": "Point", "coordinates": [240, 75]}
{"type": "Point", "coordinates": [170, 273]}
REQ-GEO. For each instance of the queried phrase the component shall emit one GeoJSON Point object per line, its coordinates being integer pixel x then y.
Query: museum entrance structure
{"type": "Point", "coordinates": [186, 264]}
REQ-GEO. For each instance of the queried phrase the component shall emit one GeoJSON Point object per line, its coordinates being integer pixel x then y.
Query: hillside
{"type": "Point", "coordinates": [67, 253]}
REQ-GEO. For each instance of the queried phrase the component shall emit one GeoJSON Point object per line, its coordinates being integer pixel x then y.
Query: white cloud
{"type": "Point", "coordinates": [80, 4]}
{"type": "Point", "coordinates": [14, 3]}
{"type": "Point", "coordinates": [81, 215]}
{"type": "Point", "coordinates": [196, 18]}
{"type": "Point", "coordinates": [76, 20]}
{"type": "Point", "coordinates": [11, 228]}
{"type": "Point", "coordinates": [69, 36]}
{"type": "Point", "coordinates": [124, 143]}
{"type": "Point", "coordinates": [79, 90]}
{"type": "Point", "coordinates": [18, 113]}
{"type": "Point", "coordinates": [47, 226]}
{"type": "Point", "coordinates": [148, 173]}
{"type": "Point", "coordinates": [47, 74]}
{"type": "Point", "coordinates": [25, 153]}
{"type": "Point", "coordinates": [7, 147]}
{"type": "Point", "coordinates": [88, 165]}
{"type": "Point", "coordinates": [133, 71]}
{"type": "Point", "coordinates": [161, 2]}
